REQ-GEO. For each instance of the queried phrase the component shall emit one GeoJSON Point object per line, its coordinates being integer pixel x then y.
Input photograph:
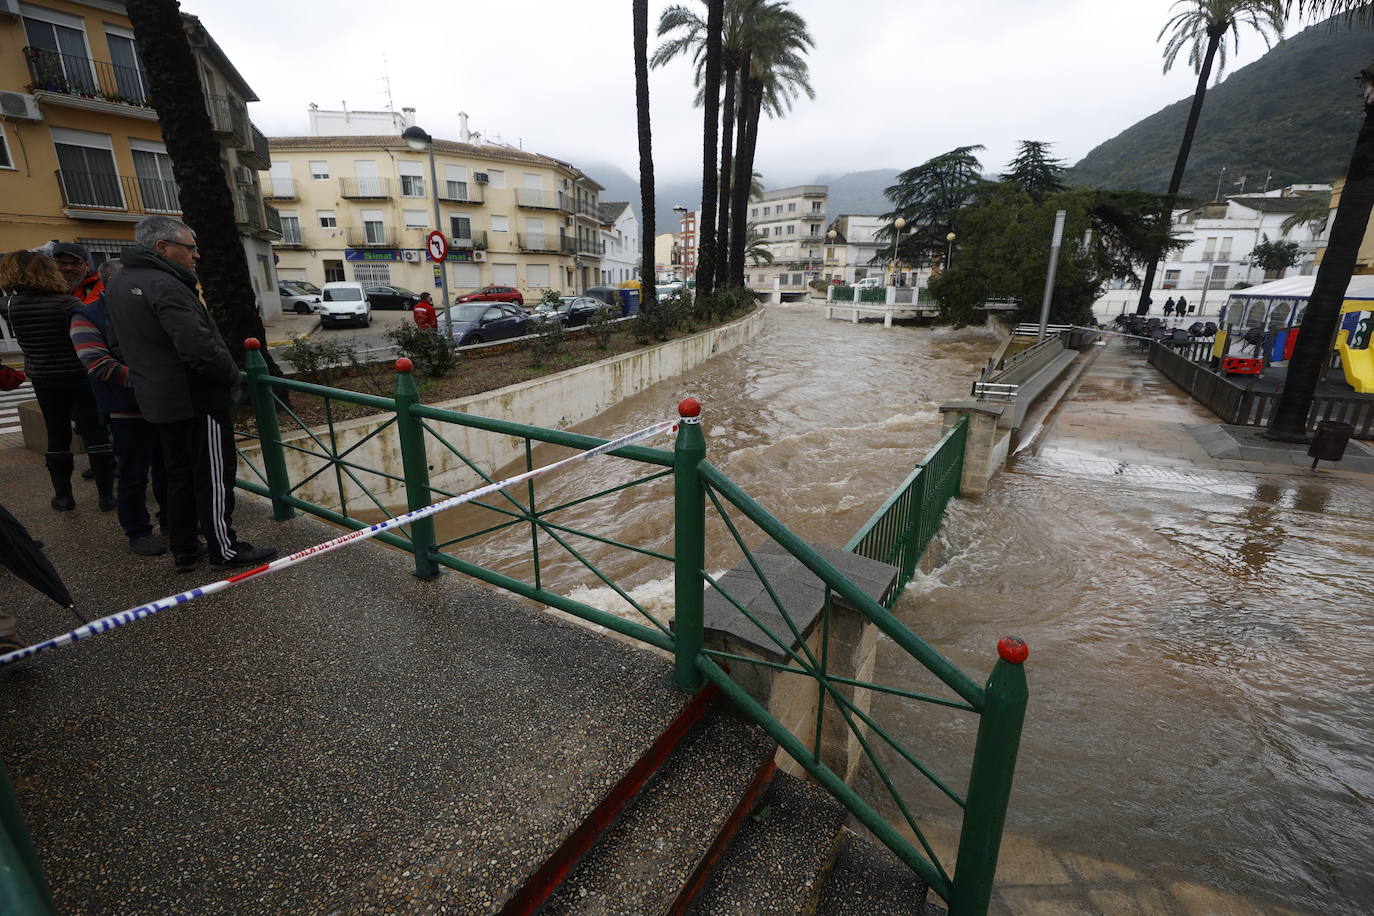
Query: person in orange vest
{"type": "Point", "coordinates": [426, 319]}
{"type": "Point", "coordinates": [75, 264]}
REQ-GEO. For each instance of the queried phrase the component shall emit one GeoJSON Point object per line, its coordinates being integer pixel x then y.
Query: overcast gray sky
{"type": "Point", "coordinates": [897, 81]}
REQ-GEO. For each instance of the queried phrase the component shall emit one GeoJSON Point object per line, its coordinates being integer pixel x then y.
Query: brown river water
{"type": "Point", "coordinates": [1202, 695]}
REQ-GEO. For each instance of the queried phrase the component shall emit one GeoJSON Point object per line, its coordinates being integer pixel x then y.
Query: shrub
{"type": "Point", "coordinates": [547, 339]}
{"type": "Point", "coordinates": [316, 361]}
{"type": "Point", "coordinates": [551, 297]}
{"type": "Point", "coordinates": [601, 325]}
{"type": "Point", "coordinates": [433, 353]}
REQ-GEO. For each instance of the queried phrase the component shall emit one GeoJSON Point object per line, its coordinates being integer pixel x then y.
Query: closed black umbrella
{"type": "Point", "coordinates": [23, 556]}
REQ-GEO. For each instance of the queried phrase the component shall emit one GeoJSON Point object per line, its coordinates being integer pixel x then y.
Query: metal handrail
{"type": "Point", "coordinates": [70, 74]}
{"type": "Point", "coordinates": [919, 503]}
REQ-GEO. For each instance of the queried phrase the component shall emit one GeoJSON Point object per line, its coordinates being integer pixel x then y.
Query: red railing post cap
{"type": "Point", "coordinates": [1013, 649]}
{"type": "Point", "coordinates": [404, 365]}
{"type": "Point", "coordinates": [252, 343]}
{"type": "Point", "coordinates": [689, 407]}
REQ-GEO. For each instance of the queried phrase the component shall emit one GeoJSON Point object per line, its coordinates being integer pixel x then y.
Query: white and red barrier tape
{"type": "Point", "coordinates": [114, 621]}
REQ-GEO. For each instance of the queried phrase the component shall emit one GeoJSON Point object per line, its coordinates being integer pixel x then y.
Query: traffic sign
{"type": "Point", "coordinates": [437, 245]}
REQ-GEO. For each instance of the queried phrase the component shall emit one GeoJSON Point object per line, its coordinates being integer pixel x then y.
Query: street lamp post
{"type": "Point", "coordinates": [897, 226]}
{"type": "Point", "coordinates": [949, 250]}
{"type": "Point", "coordinates": [830, 237]}
{"type": "Point", "coordinates": [418, 140]}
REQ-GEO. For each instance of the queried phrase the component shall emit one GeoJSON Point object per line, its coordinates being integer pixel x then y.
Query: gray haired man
{"type": "Point", "coordinates": [186, 383]}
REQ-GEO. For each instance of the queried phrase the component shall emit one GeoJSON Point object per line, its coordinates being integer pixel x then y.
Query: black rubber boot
{"type": "Point", "coordinates": [103, 463]}
{"type": "Point", "coordinates": [60, 465]}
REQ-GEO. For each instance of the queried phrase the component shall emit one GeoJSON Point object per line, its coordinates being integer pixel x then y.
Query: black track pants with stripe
{"type": "Point", "coordinates": [200, 460]}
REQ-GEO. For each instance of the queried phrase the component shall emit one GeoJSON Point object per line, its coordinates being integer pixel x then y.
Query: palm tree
{"type": "Point", "coordinates": [1348, 227]}
{"type": "Point", "coordinates": [640, 12]}
{"type": "Point", "coordinates": [1314, 210]}
{"type": "Point", "coordinates": [774, 75]}
{"type": "Point", "coordinates": [706, 225]}
{"type": "Point", "coordinates": [175, 90]}
{"type": "Point", "coordinates": [1201, 26]}
{"type": "Point", "coordinates": [756, 247]}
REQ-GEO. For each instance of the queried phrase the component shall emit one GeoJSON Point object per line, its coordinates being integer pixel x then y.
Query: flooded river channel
{"type": "Point", "coordinates": [1202, 698]}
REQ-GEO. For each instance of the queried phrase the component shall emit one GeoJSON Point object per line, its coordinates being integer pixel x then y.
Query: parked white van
{"type": "Point", "coordinates": [345, 303]}
{"type": "Point", "coordinates": [869, 283]}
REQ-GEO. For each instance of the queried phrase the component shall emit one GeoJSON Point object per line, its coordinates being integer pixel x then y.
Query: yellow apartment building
{"type": "Point", "coordinates": [359, 208]}
{"type": "Point", "coordinates": [81, 152]}
{"type": "Point", "coordinates": [1364, 261]}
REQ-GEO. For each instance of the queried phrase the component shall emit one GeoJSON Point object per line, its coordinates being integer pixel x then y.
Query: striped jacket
{"type": "Point", "coordinates": [109, 378]}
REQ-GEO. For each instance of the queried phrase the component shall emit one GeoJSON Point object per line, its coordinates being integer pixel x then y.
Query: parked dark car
{"type": "Point", "coordinates": [573, 311]}
{"type": "Point", "coordinates": [392, 297]}
{"type": "Point", "coordinates": [493, 294]}
{"type": "Point", "coordinates": [481, 322]}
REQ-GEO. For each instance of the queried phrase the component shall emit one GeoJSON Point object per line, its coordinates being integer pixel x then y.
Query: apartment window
{"type": "Point", "coordinates": [412, 180]}
{"type": "Point", "coordinates": [290, 227]}
{"type": "Point", "coordinates": [1219, 275]}
{"type": "Point", "coordinates": [767, 210]}
{"type": "Point", "coordinates": [1209, 249]}
{"type": "Point", "coordinates": [497, 179]}
{"type": "Point", "coordinates": [815, 229]}
{"type": "Point", "coordinates": [500, 224]}
{"type": "Point", "coordinates": [1225, 253]}
{"type": "Point", "coordinates": [537, 274]}
{"type": "Point", "coordinates": [777, 230]}
{"type": "Point", "coordinates": [1171, 278]}
{"type": "Point", "coordinates": [327, 219]}
{"type": "Point", "coordinates": [791, 208]}
{"type": "Point", "coordinates": [156, 185]}
{"type": "Point", "coordinates": [415, 219]}
{"type": "Point", "coordinates": [374, 230]}
{"type": "Point", "coordinates": [460, 227]}
{"type": "Point", "coordinates": [319, 170]}
{"type": "Point", "coordinates": [86, 169]}
{"type": "Point", "coordinates": [830, 254]}
{"type": "Point", "coordinates": [1199, 277]}
{"type": "Point", "coordinates": [456, 182]}
{"type": "Point", "coordinates": [130, 80]}
{"type": "Point", "coordinates": [753, 211]}
{"type": "Point", "coordinates": [816, 206]}
{"type": "Point", "coordinates": [59, 40]}
{"type": "Point", "coordinates": [334, 272]}
{"type": "Point", "coordinates": [791, 230]}
{"type": "Point", "coordinates": [5, 161]}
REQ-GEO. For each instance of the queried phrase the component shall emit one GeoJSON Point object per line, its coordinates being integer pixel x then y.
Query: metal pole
{"type": "Point", "coordinates": [990, 778]}
{"type": "Point", "coordinates": [689, 544]}
{"type": "Point", "coordinates": [23, 888]}
{"type": "Point", "coordinates": [443, 265]}
{"type": "Point", "coordinates": [1049, 275]}
{"type": "Point", "coordinates": [415, 467]}
{"type": "Point", "coordinates": [269, 433]}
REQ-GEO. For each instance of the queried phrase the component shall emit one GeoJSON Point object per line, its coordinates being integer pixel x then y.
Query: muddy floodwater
{"type": "Point", "coordinates": [1202, 691]}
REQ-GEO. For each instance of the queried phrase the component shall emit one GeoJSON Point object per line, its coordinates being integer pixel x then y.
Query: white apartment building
{"type": "Point", "coordinates": [621, 242]}
{"type": "Point", "coordinates": [792, 221]}
{"type": "Point", "coordinates": [358, 207]}
{"type": "Point", "coordinates": [851, 244]}
{"type": "Point", "coordinates": [1221, 237]}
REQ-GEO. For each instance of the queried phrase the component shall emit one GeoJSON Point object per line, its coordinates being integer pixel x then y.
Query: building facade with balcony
{"type": "Point", "coordinates": [1220, 237]}
{"type": "Point", "coordinates": [850, 255]}
{"type": "Point", "coordinates": [81, 151]}
{"type": "Point", "coordinates": [359, 208]}
{"type": "Point", "coordinates": [792, 223]}
{"type": "Point", "coordinates": [687, 242]}
{"type": "Point", "coordinates": [620, 235]}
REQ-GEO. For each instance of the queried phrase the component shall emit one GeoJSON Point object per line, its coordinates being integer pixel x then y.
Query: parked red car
{"type": "Point", "coordinates": [493, 294]}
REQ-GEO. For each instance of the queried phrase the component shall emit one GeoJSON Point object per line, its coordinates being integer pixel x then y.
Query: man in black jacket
{"type": "Point", "coordinates": [186, 382]}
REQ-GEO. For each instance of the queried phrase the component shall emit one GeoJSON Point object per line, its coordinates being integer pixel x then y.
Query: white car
{"type": "Point", "coordinates": [869, 283]}
{"type": "Point", "coordinates": [345, 303]}
{"type": "Point", "coordinates": [299, 296]}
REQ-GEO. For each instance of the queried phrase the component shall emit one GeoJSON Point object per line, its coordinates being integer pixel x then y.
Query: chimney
{"type": "Point", "coordinates": [464, 135]}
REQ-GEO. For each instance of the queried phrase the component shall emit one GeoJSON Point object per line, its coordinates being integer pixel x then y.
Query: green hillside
{"type": "Point", "coordinates": [1296, 111]}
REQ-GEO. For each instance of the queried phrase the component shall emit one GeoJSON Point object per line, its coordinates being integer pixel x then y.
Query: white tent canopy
{"type": "Point", "coordinates": [1279, 303]}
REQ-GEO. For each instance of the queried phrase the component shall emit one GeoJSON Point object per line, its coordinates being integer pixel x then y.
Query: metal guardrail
{"type": "Point", "coordinates": [23, 889]}
{"type": "Point", "coordinates": [70, 74]}
{"type": "Point", "coordinates": [101, 191]}
{"type": "Point", "coordinates": [997, 390]}
{"type": "Point", "coordinates": [362, 237]}
{"type": "Point", "coordinates": [460, 192]}
{"type": "Point", "coordinates": [365, 188]}
{"type": "Point", "coordinates": [900, 529]}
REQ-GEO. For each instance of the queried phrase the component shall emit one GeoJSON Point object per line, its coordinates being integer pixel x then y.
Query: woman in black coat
{"type": "Point", "coordinates": [39, 310]}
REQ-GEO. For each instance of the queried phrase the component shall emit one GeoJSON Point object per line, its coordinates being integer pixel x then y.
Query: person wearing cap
{"type": "Point", "coordinates": [426, 318]}
{"type": "Point", "coordinates": [75, 264]}
{"type": "Point", "coordinates": [39, 309]}
{"type": "Point", "coordinates": [186, 383]}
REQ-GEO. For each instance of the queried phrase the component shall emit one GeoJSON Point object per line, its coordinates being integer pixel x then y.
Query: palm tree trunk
{"type": "Point", "coordinates": [1181, 163]}
{"type": "Point", "coordinates": [706, 220]}
{"type": "Point", "coordinates": [647, 294]}
{"type": "Point", "coordinates": [1313, 349]}
{"type": "Point", "coordinates": [727, 136]}
{"type": "Point", "coordinates": [175, 90]}
{"type": "Point", "coordinates": [744, 170]}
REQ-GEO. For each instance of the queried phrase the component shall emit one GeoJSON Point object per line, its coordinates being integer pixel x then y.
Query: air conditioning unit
{"type": "Point", "coordinates": [480, 177]}
{"type": "Point", "coordinates": [479, 256]}
{"type": "Point", "coordinates": [19, 106]}
{"type": "Point", "coordinates": [410, 255]}
{"type": "Point", "coordinates": [243, 175]}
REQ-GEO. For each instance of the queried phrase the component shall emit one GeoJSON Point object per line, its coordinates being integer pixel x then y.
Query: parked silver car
{"type": "Point", "coordinates": [299, 296]}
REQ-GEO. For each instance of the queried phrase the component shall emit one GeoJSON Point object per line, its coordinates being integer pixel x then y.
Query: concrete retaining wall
{"type": "Point", "coordinates": [555, 401]}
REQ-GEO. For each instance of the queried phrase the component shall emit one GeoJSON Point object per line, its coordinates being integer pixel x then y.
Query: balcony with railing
{"type": "Point", "coordinates": [586, 207]}
{"type": "Point", "coordinates": [370, 235]}
{"type": "Point", "coordinates": [274, 221]}
{"type": "Point", "coordinates": [291, 235]}
{"type": "Point", "coordinates": [365, 188]}
{"type": "Point", "coordinates": [535, 199]}
{"type": "Point", "coordinates": [476, 239]}
{"type": "Point", "coordinates": [84, 78]}
{"type": "Point", "coordinates": [100, 193]}
{"type": "Point", "coordinates": [592, 247]}
{"type": "Point", "coordinates": [256, 156]}
{"type": "Point", "coordinates": [248, 210]}
{"type": "Point", "coordinates": [460, 192]}
{"type": "Point", "coordinates": [229, 118]}
{"type": "Point", "coordinates": [542, 242]}
{"type": "Point", "coordinates": [281, 188]}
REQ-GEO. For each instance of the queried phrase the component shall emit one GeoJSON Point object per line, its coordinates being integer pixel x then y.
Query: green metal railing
{"type": "Point", "coordinates": [703, 496]}
{"type": "Point", "coordinates": [902, 528]}
{"type": "Point", "coordinates": [23, 890]}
